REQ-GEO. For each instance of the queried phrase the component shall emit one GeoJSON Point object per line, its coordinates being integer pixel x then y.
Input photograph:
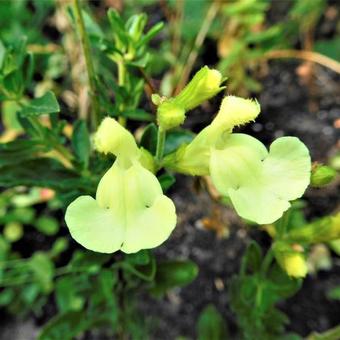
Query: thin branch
{"type": "Point", "coordinates": [305, 55]}
{"type": "Point", "coordinates": [89, 64]}
{"type": "Point", "coordinates": [213, 9]}
{"type": "Point", "coordinates": [149, 87]}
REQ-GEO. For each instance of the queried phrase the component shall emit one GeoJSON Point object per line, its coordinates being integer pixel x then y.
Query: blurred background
{"type": "Point", "coordinates": [284, 53]}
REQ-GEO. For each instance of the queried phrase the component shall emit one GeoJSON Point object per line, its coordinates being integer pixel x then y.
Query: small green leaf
{"type": "Point", "coordinates": [334, 293]}
{"type": "Point", "coordinates": [81, 142]}
{"type": "Point", "coordinates": [329, 47]}
{"type": "Point", "coordinates": [141, 258]}
{"type": "Point", "coordinates": [322, 175]}
{"type": "Point", "coordinates": [67, 297]}
{"type": "Point", "coordinates": [88, 260]}
{"type": "Point", "coordinates": [166, 181]}
{"type": "Point", "coordinates": [65, 326]}
{"type": "Point", "coordinates": [43, 105]}
{"type": "Point", "coordinates": [211, 325]}
{"type": "Point", "coordinates": [59, 246]}
{"type": "Point", "coordinates": [13, 231]}
{"type": "Point", "coordinates": [138, 114]}
{"type": "Point", "coordinates": [43, 270]}
{"type": "Point", "coordinates": [16, 151]}
{"type": "Point", "coordinates": [282, 284]}
{"type": "Point", "coordinates": [149, 138]}
{"type": "Point", "coordinates": [154, 30]}
{"type": "Point", "coordinates": [118, 29]}
{"type": "Point", "coordinates": [253, 257]}
{"type": "Point", "coordinates": [176, 138]}
{"type": "Point", "coordinates": [43, 172]}
{"type": "Point", "coordinates": [173, 274]}
{"type": "Point", "coordinates": [47, 225]}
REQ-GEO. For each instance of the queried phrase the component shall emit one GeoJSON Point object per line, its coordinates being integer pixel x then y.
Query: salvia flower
{"type": "Point", "coordinates": [259, 183]}
{"type": "Point", "coordinates": [130, 212]}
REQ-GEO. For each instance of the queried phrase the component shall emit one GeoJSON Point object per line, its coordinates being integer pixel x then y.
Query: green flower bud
{"type": "Point", "coordinates": [291, 261]}
{"type": "Point", "coordinates": [322, 230]}
{"type": "Point", "coordinates": [204, 85]}
{"type": "Point", "coordinates": [322, 175]}
{"type": "Point", "coordinates": [170, 115]}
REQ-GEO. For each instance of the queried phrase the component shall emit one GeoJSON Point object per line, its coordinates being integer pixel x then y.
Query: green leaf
{"type": "Point", "coordinates": [43, 172]}
{"type": "Point", "coordinates": [19, 150]}
{"type": "Point", "coordinates": [138, 114]}
{"type": "Point", "coordinates": [282, 284]}
{"type": "Point", "coordinates": [322, 175]}
{"type": "Point", "coordinates": [47, 225]}
{"type": "Point", "coordinates": [166, 181]}
{"type": "Point", "coordinates": [173, 274]}
{"type": "Point", "coordinates": [118, 29]}
{"type": "Point", "coordinates": [43, 105]}
{"type": "Point", "coordinates": [330, 48]}
{"type": "Point", "coordinates": [43, 269]}
{"type": "Point", "coordinates": [88, 260]}
{"type": "Point", "coordinates": [67, 297]}
{"type": "Point", "coordinates": [211, 325]}
{"type": "Point", "coordinates": [65, 326]}
{"type": "Point", "coordinates": [154, 30]}
{"type": "Point", "coordinates": [141, 258]}
{"type": "Point", "coordinates": [149, 138]}
{"type": "Point", "coordinates": [135, 26]}
{"type": "Point", "coordinates": [81, 142]}
{"type": "Point", "coordinates": [175, 138]}
{"type": "Point", "coordinates": [253, 257]}
{"type": "Point", "coordinates": [334, 293]}
{"type": "Point", "coordinates": [59, 246]}
{"type": "Point", "coordinates": [335, 246]}
{"type": "Point", "coordinates": [92, 28]}
{"type": "Point", "coordinates": [13, 231]}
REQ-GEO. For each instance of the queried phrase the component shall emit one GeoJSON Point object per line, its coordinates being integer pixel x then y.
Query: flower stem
{"type": "Point", "coordinates": [89, 64]}
{"type": "Point", "coordinates": [121, 82]}
{"type": "Point", "coordinates": [267, 261]}
{"type": "Point", "coordinates": [160, 145]}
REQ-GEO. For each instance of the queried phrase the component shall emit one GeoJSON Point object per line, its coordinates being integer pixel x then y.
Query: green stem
{"type": "Point", "coordinates": [121, 82]}
{"type": "Point", "coordinates": [267, 261]}
{"type": "Point", "coordinates": [89, 64]}
{"type": "Point", "coordinates": [160, 145]}
{"type": "Point", "coordinates": [281, 225]}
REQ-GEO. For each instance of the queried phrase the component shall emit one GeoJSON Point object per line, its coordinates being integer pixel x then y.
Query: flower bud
{"type": "Point", "coordinates": [291, 261]}
{"type": "Point", "coordinates": [170, 114]}
{"type": "Point", "coordinates": [322, 175]}
{"type": "Point", "coordinates": [204, 85]}
{"type": "Point", "coordinates": [322, 230]}
{"type": "Point", "coordinates": [294, 264]}
{"type": "Point", "coordinates": [111, 137]}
